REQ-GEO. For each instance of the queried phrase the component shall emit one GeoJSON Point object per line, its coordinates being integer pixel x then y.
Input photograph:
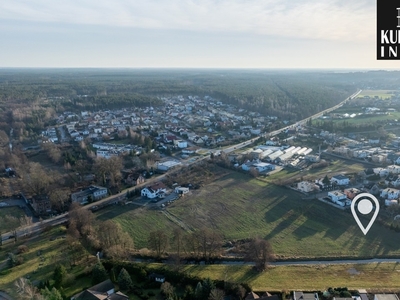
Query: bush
{"type": "Point", "coordinates": [22, 249]}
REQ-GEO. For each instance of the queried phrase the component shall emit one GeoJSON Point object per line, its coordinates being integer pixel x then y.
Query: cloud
{"type": "Point", "coordinates": [324, 19]}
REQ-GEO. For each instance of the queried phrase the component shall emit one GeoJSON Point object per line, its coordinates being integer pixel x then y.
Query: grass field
{"type": "Point", "coordinates": [370, 118]}
{"type": "Point", "coordinates": [384, 94]}
{"type": "Point", "coordinates": [12, 211]}
{"type": "Point", "coordinates": [138, 222]}
{"type": "Point", "coordinates": [375, 277]}
{"type": "Point", "coordinates": [239, 207]}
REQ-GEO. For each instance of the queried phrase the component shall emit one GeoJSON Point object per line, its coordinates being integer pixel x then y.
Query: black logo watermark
{"type": "Point", "coordinates": [388, 29]}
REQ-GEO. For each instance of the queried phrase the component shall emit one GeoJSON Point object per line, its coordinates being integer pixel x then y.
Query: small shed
{"type": "Point", "coordinates": [157, 277]}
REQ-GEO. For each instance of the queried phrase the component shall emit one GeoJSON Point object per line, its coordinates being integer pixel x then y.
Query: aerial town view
{"type": "Point", "coordinates": [198, 150]}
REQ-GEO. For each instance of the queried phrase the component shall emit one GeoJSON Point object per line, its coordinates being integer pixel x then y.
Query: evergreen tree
{"type": "Point", "coordinates": [198, 292]}
{"type": "Point", "coordinates": [99, 273]}
{"type": "Point", "coordinates": [59, 275]}
{"type": "Point", "coordinates": [326, 180]}
{"type": "Point", "coordinates": [52, 294]}
{"type": "Point", "coordinates": [207, 286]}
{"type": "Point", "coordinates": [124, 280]}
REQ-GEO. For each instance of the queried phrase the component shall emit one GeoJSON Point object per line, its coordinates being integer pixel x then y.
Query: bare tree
{"type": "Point", "coordinates": [209, 242]}
{"type": "Point", "coordinates": [158, 241]}
{"type": "Point", "coordinates": [37, 180]}
{"type": "Point", "coordinates": [26, 290]}
{"type": "Point", "coordinates": [82, 219]}
{"type": "Point", "coordinates": [58, 198]}
{"type": "Point", "coordinates": [259, 251]}
{"type": "Point", "coordinates": [115, 242]}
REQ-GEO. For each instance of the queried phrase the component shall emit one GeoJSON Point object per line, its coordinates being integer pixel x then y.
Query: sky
{"type": "Point", "coordinates": [338, 34]}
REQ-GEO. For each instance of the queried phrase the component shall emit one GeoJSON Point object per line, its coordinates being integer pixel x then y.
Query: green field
{"type": "Point", "coordinates": [369, 118]}
{"type": "Point", "coordinates": [375, 277]}
{"type": "Point", "coordinates": [138, 222]}
{"type": "Point", "coordinates": [12, 211]}
{"type": "Point", "coordinates": [239, 207]}
{"type": "Point", "coordinates": [384, 94]}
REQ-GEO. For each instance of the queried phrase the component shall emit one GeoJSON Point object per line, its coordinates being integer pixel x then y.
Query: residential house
{"type": "Point", "coordinates": [103, 291]}
{"type": "Point", "coordinates": [372, 188]}
{"type": "Point", "coordinates": [307, 186]}
{"type": "Point", "coordinates": [181, 190]}
{"type": "Point", "coordinates": [190, 150]}
{"type": "Point", "coordinates": [167, 165]}
{"type": "Point", "coordinates": [351, 193]}
{"type": "Point", "coordinates": [391, 202]}
{"type": "Point", "coordinates": [393, 179]}
{"type": "Point", "coordinates": [394, 169]}
{"type": "Point", "coordinates": [251, 296]}
{"type": "Point", "coordinates": [390, 193]}
{"type": "Point", "coordinates": [305, 296]}
{"type": "Point", "coordinates": [154, 191]}
{"type": "Point", "coordinates": [94, 192]}
{"type": "Point", "coordinates": [134, 179]}
{"type": "Point", "coordinates": [386, 297]}
{"type": "Point", "coordinates": [198, 140]}
{"type": "Point", "coordinates": [339, 198]}
{"type": "Point", "coordinates": [340, 180]}
{"type": "Point", "coordinates": [180, 144]}
{"type": "Point", "coordinates": [382, 172]}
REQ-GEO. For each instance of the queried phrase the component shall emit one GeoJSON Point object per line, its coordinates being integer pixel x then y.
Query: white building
{"type": "Point", "coordinates": [339, 198]}
{"type": "Point", "coordinates": [167, 165]}
{"type": "Point", "coordinates": [340, 180]}
{"type": "Point", "coordinates": [390, 193]}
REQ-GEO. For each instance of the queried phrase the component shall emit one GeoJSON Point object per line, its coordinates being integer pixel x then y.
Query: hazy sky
{"type": "Point", "coordinates": [190, 33]}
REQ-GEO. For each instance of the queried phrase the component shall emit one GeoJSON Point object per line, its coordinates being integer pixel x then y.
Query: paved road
{"type": "Point", "coordinates": [320, 262]}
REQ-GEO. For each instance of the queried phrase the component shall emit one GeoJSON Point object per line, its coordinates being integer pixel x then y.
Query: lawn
{"type": "Point", "coordinates": [373, 277]}
{"type": "Point", "coordinates": [239, 207]}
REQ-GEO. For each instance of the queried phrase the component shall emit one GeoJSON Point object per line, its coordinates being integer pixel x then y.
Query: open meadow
{"type": "Point", "coordinates": [384, 94]}
{"type": "Point", "coordinates": [240, 207]}
{"type": "Point", "coordinates": [375, 277]}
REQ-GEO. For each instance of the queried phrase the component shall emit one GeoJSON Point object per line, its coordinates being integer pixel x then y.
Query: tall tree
{"type": "Point", "coordinates": [99, 273]}
{"type": "Point", "coordinates": [52, 294]}
{"type": "Point", "coordinates": [260, 252]}
{"type": "Point", "coordinates": [158, 241]}
{"type": "Point", "coordinates": [59, 275]}
{"type": "Point", "coordinates": [124, 280]}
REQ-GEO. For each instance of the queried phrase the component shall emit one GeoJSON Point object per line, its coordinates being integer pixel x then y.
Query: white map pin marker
{"type": "Point", "coordinates": [365, 206]}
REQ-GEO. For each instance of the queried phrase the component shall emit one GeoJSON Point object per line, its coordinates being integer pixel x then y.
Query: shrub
{"type": "Point", "coordinates": [22, 249]}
